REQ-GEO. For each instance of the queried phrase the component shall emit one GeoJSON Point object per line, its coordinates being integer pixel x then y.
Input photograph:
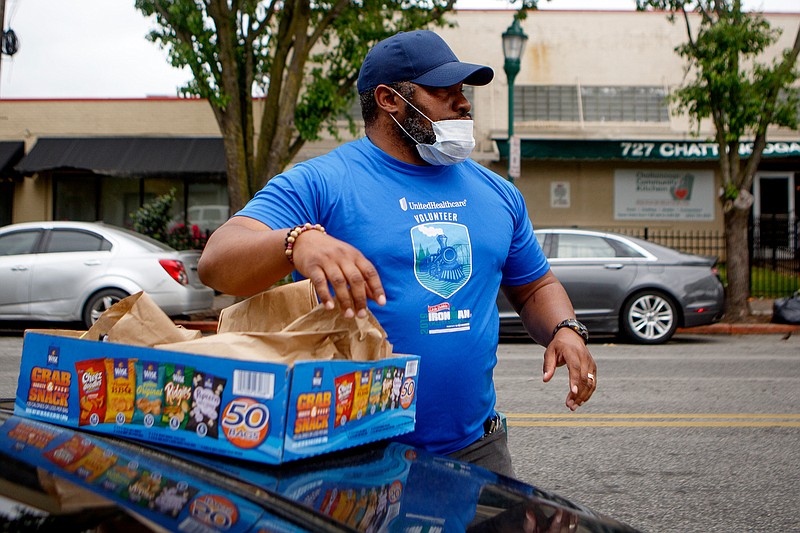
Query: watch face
{"type": "Point", "coordinates": [576, 326]}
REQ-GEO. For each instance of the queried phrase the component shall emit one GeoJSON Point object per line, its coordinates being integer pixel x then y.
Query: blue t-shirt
{"type": "Point", "coordinates": [443, 239]}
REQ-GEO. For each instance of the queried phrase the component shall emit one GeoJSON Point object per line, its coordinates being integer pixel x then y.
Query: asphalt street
{"type": "Point", "coordinates": [700, 434]}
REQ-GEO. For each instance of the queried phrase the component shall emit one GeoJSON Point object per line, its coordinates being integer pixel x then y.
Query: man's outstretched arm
{"type": "Point", "coordinates": [244, 257]}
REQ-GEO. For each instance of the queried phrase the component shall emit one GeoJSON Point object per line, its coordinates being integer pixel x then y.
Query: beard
{"type": "Point", "coordinates": [417, 127]}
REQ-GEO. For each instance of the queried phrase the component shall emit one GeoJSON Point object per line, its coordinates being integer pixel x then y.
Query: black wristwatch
{"type": "Point", "coordinates": [575, 326]}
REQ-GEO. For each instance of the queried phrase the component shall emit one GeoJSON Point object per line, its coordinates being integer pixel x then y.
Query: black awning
{"type": "Point", "coordinates": [10, 154]}
{"type": "Point", "coordinates": [127, 156]}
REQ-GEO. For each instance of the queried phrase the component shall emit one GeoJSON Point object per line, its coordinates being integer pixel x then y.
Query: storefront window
{"type": "Point", "coordinates": [6, 201]}
{"type": "Point", "coordinates": [75, 197]}
{"type": "Point", "coordinates": [120, 197]}
{"type": "Point", "coordinates": [114, 199]}
{"type": "Point", "coordinates": [207, 205]}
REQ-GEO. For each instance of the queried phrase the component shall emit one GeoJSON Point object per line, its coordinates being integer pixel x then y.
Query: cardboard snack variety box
{"type": "Point", "coordinates": [221, 394]}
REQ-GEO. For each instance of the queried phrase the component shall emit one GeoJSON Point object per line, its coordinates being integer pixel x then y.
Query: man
{"type": "Point", "coordinates": [403, 218]}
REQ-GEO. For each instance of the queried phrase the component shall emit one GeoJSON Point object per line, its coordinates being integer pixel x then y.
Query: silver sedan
{"type": "Point", "coordinates": [73, 271]}
{"type": "Point", "coordinates": [621, 284]}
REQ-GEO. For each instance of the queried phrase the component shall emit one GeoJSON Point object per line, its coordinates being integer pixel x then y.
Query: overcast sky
{"type": "Point", "coordinates": [97, 48]}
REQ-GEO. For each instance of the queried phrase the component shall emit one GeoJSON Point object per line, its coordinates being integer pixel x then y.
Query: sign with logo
{"type": "Point", "coordinates": [664, 195]}
{"type": "Point", "coordinates": [559, 194]}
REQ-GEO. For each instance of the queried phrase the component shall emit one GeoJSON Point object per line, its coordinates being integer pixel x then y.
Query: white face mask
{"type": "Point", "coordinates": [454, 140]}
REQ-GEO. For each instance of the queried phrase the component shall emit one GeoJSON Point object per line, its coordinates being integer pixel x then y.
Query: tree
{"type": "Point", "coordinates": [743, 97]}
{"type": "Point", "coordinates": [299, 59]}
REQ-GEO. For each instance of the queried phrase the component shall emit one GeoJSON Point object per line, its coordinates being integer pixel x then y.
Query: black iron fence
{"type": "Point", "coordinates": [774, 255]}
{"type": "Point", "coordinates": [774, 251]}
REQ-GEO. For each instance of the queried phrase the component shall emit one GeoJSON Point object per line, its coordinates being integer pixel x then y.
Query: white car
{"type": "Point", "coordinates": [73, 271]}
{"type": "Point", "coordinates": [207, 217]}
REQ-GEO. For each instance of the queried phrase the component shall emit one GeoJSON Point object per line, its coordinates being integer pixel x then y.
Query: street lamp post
{"type": "Point", "coordinates": [513, 45]}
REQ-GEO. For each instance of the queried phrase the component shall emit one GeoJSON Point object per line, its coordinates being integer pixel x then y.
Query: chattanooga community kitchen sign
{"type": "Point", "coordinates": [664, 195]}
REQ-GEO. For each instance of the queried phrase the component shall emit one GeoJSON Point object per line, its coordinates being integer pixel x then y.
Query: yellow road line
{"type": "Point", "coordinates": [753, 420]}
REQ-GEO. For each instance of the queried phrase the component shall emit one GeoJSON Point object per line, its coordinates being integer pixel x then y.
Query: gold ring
{"type": "Point", "coordinates": [590, 376]}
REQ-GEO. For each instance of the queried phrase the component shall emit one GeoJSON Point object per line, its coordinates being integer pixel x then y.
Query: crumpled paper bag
{"type": "Point", "coordinates": [271, 310]}
{"type": "Point", "coordinates": [275, 347]}
{"type": "Point", "coordinates": [365, 339]}
{"type": "Point", "coordinates": [138, 321]}
{"type": "Point", "coordinates": [285, 324]}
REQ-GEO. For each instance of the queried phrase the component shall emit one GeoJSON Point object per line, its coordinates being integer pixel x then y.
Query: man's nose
{"type": "Point", "coordinates": [462, 105]}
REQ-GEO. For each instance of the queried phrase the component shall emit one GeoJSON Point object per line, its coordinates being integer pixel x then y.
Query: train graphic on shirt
{"type": "Point", "coordinates": [442, 256]}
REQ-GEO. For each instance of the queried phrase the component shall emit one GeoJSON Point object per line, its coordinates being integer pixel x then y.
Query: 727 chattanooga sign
{"type": "Point", "coordinates": [700, 150]}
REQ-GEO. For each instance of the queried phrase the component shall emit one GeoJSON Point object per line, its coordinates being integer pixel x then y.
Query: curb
{"type": "Point", "coordinates": [741, 329]}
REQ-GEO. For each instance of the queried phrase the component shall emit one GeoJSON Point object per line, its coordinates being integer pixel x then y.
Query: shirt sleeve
{"type": "Point", "coordinates": [526, 261]}
{"type": "Point", "coordinates": [287, 200]}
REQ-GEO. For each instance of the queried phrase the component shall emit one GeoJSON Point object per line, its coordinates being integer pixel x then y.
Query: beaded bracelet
{"type": "Point", "coordinates": [291, 237]}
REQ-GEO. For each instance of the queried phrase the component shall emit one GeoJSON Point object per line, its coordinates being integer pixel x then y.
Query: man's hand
{"type": "Point", "coordinates": [568, 348]}
{"type": "Point", "coordinates": [326, 260]}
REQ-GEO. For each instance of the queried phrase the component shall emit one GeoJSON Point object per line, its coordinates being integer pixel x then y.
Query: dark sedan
{"type": "Point", "coordinates": [59, 479]}
{"type": "Point", "coordinates": [621, 284]}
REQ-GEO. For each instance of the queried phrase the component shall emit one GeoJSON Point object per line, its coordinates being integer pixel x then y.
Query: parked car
{"type": "Point", "coordinates": [621, 284]}
{"type": "Point", "coordinates": [73, 271]}
{"type": "Point", "coordinates": [59, 479]}
{"type": "Point", "coordinates": [207, 217]}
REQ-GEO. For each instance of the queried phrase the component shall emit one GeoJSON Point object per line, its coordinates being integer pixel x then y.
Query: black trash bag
{"type": "Point", "coordinates": [787, 310]}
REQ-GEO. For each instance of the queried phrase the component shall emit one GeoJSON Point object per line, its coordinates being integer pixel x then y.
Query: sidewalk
{"type": "Point", "coordinates": [761, 309]}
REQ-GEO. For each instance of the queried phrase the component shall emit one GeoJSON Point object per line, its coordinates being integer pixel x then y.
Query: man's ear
{"type": "Point", "coordinates": [387, 99]}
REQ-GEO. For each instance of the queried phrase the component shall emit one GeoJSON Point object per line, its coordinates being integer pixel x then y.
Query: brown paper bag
{"type": "Point", "coordinates": [138, 321]}
{"type": "Point", "coordinates": [365, 339]}
{"type": "Point", "coordinates": [275, 347]}
{"type": "Point", "coordinates": [271, 310]}
{"type": "Point", "coordinates": [285, 324]}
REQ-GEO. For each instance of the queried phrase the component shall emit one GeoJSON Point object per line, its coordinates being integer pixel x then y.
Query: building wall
{"type": "Point", "coordinates": [589, 48]}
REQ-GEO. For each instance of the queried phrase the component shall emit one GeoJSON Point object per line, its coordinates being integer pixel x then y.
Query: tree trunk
{"type": "Point", "coordinates": [236, 164]}
{"type": "Point", "coordinates": [738, 264]}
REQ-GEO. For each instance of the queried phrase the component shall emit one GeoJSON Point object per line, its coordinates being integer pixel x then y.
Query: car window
{"type": "Point", "coordinates": [572, 246]}
{"type": "Point", "coordinates": [62, 240]}
{"type": "Point", "coordinates": [148, 243]}
{"type": "Point", "coordinates": [624, 250]}
{"type": "Point", "coordinates": [19, 242]}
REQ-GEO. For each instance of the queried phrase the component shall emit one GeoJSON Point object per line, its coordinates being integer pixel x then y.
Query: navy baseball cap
{"type": "Point", "coordinates": [421, 57]}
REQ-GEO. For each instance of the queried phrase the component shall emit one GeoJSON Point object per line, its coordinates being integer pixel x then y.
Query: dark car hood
{"type": "Point", "coordinates": [385, 486]}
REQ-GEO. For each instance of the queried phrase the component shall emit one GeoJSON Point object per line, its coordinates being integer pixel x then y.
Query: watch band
{"type": "Point", "coordinates": [575, 326]}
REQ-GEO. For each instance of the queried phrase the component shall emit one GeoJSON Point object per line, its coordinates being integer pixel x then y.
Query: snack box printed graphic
{"type": "Point", "coordinates": [257, 411]}
{"type": "Point", "coordinates": [174, 500]}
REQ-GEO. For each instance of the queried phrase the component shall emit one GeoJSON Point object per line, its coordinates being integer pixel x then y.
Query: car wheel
{"type": "Point", "coordinates": [99, 302]}
{"type": "Point", "coordinates": [649, 317]}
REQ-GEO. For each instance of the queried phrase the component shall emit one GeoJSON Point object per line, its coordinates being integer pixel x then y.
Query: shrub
{"type": "Point", "coordinates": [154, 220]}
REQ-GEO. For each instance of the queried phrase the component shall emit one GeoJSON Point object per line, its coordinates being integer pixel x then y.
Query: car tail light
{"type": "Point", "coordinates": [176, 270]}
